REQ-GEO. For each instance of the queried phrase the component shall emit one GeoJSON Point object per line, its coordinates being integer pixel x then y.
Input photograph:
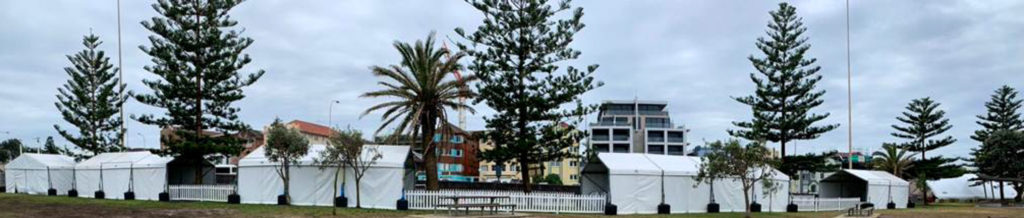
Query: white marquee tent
{"type": "Point", "coordinates": [634, 182]}
{"type": "Point", "coordinates": [382, 185]}
{"type": "Point", "coordinates": [35, 173]}
{"type": "Point", "coordinates": [144, 172]}
{"type": "Point", "coordinates": [960, 188]}
{"type": "Point", "coordinates": [877, 187]}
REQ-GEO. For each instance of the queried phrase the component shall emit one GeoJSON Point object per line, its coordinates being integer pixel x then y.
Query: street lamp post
{"type": "Point", "coordinates": [330, 110]}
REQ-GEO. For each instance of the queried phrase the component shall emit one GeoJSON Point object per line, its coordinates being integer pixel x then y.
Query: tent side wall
{"type": "Point", "coordinates": [635, 193]}
{"type": "Point", "coordinates": [378, 187]}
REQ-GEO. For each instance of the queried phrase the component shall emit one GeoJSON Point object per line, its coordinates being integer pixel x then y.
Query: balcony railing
{"type": "Point", "coordinates": [609, 124]}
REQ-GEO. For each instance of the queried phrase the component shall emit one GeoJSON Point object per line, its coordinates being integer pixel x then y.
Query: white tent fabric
{"type": "Point", "coordinates": [259, 183]}
{"type": "Point", "coordinates": [634, 183]}
{"type": "Point", "coordinates": [961, 188]}
{"type": "Point", "coordinates": [114, 172]}
{"type": "Point", "coordinates": [35, 173]}
{"type": "Point", "coordinates": [877, 187]}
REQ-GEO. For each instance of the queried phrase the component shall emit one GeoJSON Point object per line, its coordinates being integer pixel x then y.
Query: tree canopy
{"type": "Point", "coordinates": [785, 85]}
{"type": "Point", "coordinates": [91, 100]}
{"type": "Point", "coordinates": [522, 55]}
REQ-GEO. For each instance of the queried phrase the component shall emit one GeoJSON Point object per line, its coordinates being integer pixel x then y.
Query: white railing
{"type": "Point", "coordinates": [825, 204]}
{"type": "Point", "coordinates": [200, 192]}
{"type": "Point", "coordinates": [551, 202]}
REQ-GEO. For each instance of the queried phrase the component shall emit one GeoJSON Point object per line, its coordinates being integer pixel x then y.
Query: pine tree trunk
{"type": "Point", "coordinates": [924, 186]}
{"type": "Point", "coordinates": [524, 168]}
{"type": "Point", "coordinates": [1002, 193]}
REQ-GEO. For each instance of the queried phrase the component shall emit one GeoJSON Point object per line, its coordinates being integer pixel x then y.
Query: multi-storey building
{"type": "Point", "coordinates": [636, 127]}
{"type": "Point", "coordinates": [567, 169]}
{"type": "Point", "coordinates": [456, 155]}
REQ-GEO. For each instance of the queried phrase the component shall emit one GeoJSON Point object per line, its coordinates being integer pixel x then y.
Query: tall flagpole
{"type": "Point", "coordinates": [849, 89]}
{"type": "Point", "coordinates": [120, 73]}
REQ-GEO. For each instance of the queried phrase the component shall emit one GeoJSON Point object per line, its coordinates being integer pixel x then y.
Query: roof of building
{"type": "Point", "coordinates": [312, 128]}
{"type": "Point", "coordinates": [873, 177]}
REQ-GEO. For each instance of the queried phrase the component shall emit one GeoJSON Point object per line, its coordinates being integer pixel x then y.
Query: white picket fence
{"type": "Point", "coordinates": [825, 204]}
{"type": "Point", "coordinates": [200, 192]}
{"type": "Point", "coordinates": [550, 202]}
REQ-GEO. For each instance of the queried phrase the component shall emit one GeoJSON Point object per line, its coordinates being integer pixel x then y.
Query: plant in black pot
{"type": "Point", "coordinates": [891, 205]}
{"type": "Point", "coordinates": [341, 201]}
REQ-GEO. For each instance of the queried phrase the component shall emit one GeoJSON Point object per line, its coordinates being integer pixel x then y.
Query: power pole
{"type": "Point", "coordinates": [120, 73]}
{"type": "Point", "coordinates": [849, 89]}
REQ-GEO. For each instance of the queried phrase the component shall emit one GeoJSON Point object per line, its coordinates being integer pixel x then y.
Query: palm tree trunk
{"type": "Point", "coordinates": [429, 152]}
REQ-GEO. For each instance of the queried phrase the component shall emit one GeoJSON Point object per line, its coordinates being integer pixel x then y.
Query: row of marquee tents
{"type": "Point", "coordinates": [147, 175]}
{"type": "Point", "coordinates": [636, 183]}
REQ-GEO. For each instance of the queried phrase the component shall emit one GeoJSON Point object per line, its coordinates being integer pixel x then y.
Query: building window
{"type": "Point", "coordinates": [656, 149]}
{"type": "Point", "coordinates": [599, 134]}
{"type": "Point", "coordinates": [556, 163]}
{"type": "Point", "coordinates": [572, 163]}
{"type": "Point", "coordinates": [621, 148]}
{"type": "Point", "coordinates": [675, 136]}
{"type": "Point", "coordinates": [655, 136]}
{"type": "Point", "coordinates": [457, 139]}
{"type": "Point", "coordinates": [676, 150]}
{"type": "Point", "coordinates": [573, 177]}
{"type": "Point", "coordinates": [620, 134]}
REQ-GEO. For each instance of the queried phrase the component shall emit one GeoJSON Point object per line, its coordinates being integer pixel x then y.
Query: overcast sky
{"type": "Point", "coordinates": [691, 54]}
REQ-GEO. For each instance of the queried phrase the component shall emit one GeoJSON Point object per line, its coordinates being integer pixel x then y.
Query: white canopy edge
{"type": "Point", "coordinates": [655, 164]}
{"type": "Point", "coordinates": [125, 160]}
{"type": "Point", "coordinates": [41, 162]}
{"type": "Point", "coordinates": [392, 156]}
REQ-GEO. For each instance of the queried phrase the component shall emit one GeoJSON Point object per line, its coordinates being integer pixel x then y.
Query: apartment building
{"type": "Point", "coordinates": [636, 126]}
{"type": "Point", "coordinates": [567, 169]}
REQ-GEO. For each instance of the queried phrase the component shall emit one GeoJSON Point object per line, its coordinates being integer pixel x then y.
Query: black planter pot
{"type": "Point", "coordinates": [713, 208]}
{"type": "Point", "coordinates": [664, 209]}
{"type": "Point", "coordinates": [403, 204]}
{"type": "Point", "coordinates": [129, 195]}
{"type": "Point", "coordinates": [611, 209]}
{"type": "Point", "coordinates": [99, 195]}
{"type": "Point", "coordinates": [890, 205]}
{"type": "Point", "coordinates": [282, 200]}
{"type": "Point", "coordinates": [73, 193]}
{"type": "Point", "coordinates": [341, 201]}
{"type": "Point", "coordinates": [234, 198]}
{"type": "Point", "coordinates": [911, 205]}
{"type": "Point", "coordinates": [792, 208]}
{"type": "Point", "coordinates": [755, 207]}
{"type": "Point", "coordinates": [51, 192]}
{"type": "Point", "coordinates": [164, 196]}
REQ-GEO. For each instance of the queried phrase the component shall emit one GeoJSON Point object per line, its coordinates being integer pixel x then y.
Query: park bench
{"type": "Point", "coordinates": [492, 206]}
{"type": "Point", "coordinates": [861, 210]}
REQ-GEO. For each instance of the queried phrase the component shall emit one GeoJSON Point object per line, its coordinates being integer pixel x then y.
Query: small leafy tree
{"type": "Point", "coordinates": [348, 148]}
{"type": "Point", "coordinates": [334, 157]}
{"type": "Point", "coordinates": [748, 164]}
{"type": "Point", "coordinates": [285, 146]}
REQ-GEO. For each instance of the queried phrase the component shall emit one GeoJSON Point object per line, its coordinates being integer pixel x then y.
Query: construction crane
{"type": "Point", "coordinates": [462, 98]}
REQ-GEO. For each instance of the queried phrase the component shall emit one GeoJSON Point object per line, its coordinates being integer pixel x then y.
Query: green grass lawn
{"type": "Point", "coordinates": [19, 205]}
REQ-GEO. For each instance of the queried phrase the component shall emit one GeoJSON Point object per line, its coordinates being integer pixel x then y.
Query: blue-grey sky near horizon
{"type": "Point", "coordinates": [691, 54]}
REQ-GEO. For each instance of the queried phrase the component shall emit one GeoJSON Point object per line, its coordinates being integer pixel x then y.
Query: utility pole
{"type": "Point", "coordinates": [120, 73]}
{"type": "Point", "coordinates": [849, 89]}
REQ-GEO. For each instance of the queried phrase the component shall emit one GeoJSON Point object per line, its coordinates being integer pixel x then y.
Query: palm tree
{"type": "Point", "coordinates": [419, 92]}
{"type": "Point", "coordinates": [892, 159]}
